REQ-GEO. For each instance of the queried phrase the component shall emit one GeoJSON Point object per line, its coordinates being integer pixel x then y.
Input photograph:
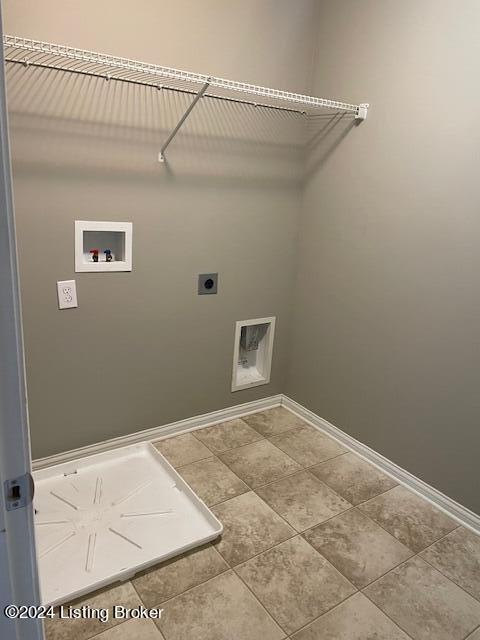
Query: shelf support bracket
{"type": "Point", "coordinates": [362, 111]}
{"type": "Point", "coordinates": [161, 155]}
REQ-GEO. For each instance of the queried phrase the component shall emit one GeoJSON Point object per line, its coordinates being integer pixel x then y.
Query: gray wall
{"type": "Point", "coordinates": [387, 325]}
{"type": "Point", "coordinates": [386, 308]}
{"type": "Point", "coordinates": [143, 349]}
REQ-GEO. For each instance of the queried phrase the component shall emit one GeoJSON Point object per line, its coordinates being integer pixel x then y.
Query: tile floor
{"type": "Point", "coordinates": [318, 545]}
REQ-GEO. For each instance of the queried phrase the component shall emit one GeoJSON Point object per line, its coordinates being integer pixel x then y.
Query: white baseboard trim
{"type": "Point", "coordinates": [157, 433]}
{"type": "Point", "coordinates": [452, 508]}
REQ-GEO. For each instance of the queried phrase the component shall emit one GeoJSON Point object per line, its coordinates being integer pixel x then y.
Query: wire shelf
{"type": "Point", "coordinates": [47, 55]}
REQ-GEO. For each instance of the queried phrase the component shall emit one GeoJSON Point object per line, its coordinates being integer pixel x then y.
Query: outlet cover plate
{"type": "Point", "coordinates": [67, 294]}
{"type": "Point", "coordinates": [207, 284]}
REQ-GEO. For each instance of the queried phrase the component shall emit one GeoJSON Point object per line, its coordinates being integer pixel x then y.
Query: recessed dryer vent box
{"type": "Point", "coordinates": [252, 355]}
{"type": "Point", "coordinates": [103, 246]}
{"type": "Point", "coordinates": [103, 518]}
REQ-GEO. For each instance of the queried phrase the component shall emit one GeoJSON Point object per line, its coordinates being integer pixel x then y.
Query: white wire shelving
{"type": "Point", "coordinates": [46, 55]}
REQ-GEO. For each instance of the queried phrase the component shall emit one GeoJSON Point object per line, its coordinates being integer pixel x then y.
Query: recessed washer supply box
{"type": "Point", "coordinates": [252, 352]}
{"type": "Point", "coordinates": [115, 237]}
{"type": "Point", "coordinates": [103, 518]}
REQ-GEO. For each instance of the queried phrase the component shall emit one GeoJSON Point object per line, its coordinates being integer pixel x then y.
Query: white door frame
{"type": "Point", "coordinates": [19, 582]}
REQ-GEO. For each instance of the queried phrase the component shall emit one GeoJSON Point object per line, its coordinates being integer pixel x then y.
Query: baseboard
{"type": "Point", "coordinates": [157, 433]}
{"type": "Point", "coordinates": [452, 508]}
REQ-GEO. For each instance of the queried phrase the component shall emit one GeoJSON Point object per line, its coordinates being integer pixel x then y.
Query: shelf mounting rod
{"type": "Point", "coordinates": [191, 106]}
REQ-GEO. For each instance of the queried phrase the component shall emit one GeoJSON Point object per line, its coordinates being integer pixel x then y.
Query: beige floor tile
{"type": "Point", "coordinates": [220, 609]}
{"type": "Point", "coordinates": [302, 500]}
{"type": "Point", "coordinates": [133, 630]}
{"type": "Point", "coordinates": [183, 449]}
{"type": "Point", "coordinates": [353, 478]}
{"type": "Point", "coordinates": [294, 583]}
{"type": "Point", "coordinates": [360, 549]}
{"type": "Point", "coordinates": [250, 527]}
{"type": "Point", "coordinates": [273, 421]}
{"type": "Point", "coordinates": [212, 480]}
{"type": "Point", "coordinates": [424, 603]}
{"type": "Point", "coordinates": [171, 578]}
{"type": "Point", "coordinates": [412, 520]}
{"type": "Point", "coordinates": [355, 619]}
{"type": "Point", "coordinates": [475, 635]}
{"type": "Point", "coordinates": [83, 629]}
{"type": "Point", "coordinates": [307, 445]}
{"type": "Point", "coordinates": [227, 435]}
{"type": "Point", "coordinates": [458, 557]}
{"type": "Point", "coordinates": [259, 463]}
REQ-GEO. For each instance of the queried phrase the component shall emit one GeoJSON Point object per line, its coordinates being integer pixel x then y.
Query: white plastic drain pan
{"type": "Point", "coordinates": [103, 518]}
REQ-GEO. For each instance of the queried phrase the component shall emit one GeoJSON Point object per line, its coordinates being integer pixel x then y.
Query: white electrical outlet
{"type": "Point", "coordinates": [67, 294]}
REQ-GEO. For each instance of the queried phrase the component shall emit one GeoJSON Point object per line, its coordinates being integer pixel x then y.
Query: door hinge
{"type": "Point", "coordinates": [19, 492]}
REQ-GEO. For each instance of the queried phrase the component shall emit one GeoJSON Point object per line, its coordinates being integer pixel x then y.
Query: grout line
{"type": "Point", "coordinates": [96, 635]}
{"type": "Point", "coordinates": [282, 433]}
{"type": "Point", "coordinates": [447, 577]}
{"type": "Point", "coordinates": [302, 469]}
{"type": "Point", "coordinates": [160, 634]}
{"type": "Point", "coordinates": [216, 453]}
{"type": "Point", "coordinates": [261, 603]}
{"type": "Point", "coordinates": [219, 453]}
{"type": "Point", "coordinates": [260, 435]}
{"type": "Point", "coordinates": [277, 545]}
{"type": "Point", "coordinates": [251, 444]}
{"type": "Point", "coordinates": [368, 499]}
{"type": "Point", "coordinates": [387, 615]}
{"type": "Point", "coordinates": [225, 570]}
{"type": "Point", "coordinates": [233, 566]}
{"type": "Point", "coordinates": [470, 633]}
{"type": "Point", "coordinates": [187, 464]}
{"type": "Point", "coordinates": [252, 487]}
{"type": "Point", "coordinates": [177, 595]}
{"type": "Point", "coordinates": [110, 627]}
{"type": "Point", "coordinates": [215, 504]}
{"type": "Point", "coordinates": [136, 590]}
{"type": "Point", "coordinates": [352, 595]}
{"type": "Point", "coordinates": [302, 533]}
{"type": "Point", "coordinates": [214, 457]}
{"type": "Point", "coordinates": [445, 535]}
{"type": "Point", "coordinates": [378, 577]}
{"type": "Point", "coordinates": [391, 568]}
{"type": "Point", "coordinates": [414, 555]}
{"type": "Point", "coordinates": [287, 475]}
{"type": "Point", "coordinates": [417, 555]}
